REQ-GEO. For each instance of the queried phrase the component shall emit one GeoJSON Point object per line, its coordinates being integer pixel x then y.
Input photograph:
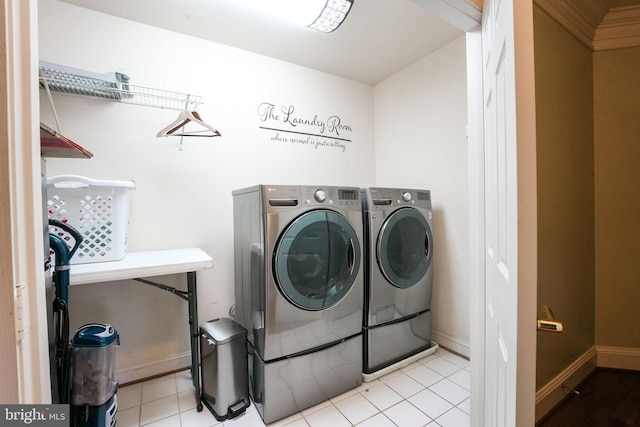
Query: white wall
{"type": "Point", "coordinates": [183, 198]}
{"type": "Point", "coordinates": [420, 129]}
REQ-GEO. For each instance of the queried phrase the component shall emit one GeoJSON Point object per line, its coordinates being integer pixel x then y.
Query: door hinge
{"type": "Point", "coordinates": [21, 318]}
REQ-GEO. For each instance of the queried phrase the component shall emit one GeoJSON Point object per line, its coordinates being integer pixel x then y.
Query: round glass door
{"type": "Point", "coordinates": [404, 247]}
{"type": "Point", "coordinates": [316, 259]}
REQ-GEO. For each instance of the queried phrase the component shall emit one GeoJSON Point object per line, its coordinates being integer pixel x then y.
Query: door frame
{"type": "Point", "coordinates": [527, 211]}
{"type": "Point", "coordinates": [477, 301]}
{"type": "Point", "coordinates": [9, 388]}
{"type": "Point", "coordinates": [23, 262]}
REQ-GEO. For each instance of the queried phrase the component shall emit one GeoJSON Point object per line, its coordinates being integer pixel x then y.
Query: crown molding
{"type": "Point", "coordinates": [594, 24]}
{"type": "Point", "coordinates": [576, 17]}
{"type": "Point", "coordinates": [620, 28]}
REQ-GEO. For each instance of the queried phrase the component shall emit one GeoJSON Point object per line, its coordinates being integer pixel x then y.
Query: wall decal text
{"type": "Point", "coordinates": [294, 128]}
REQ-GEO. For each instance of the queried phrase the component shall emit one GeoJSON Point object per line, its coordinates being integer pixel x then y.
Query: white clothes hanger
{"type": "Point", "coordinates": [183, 119]}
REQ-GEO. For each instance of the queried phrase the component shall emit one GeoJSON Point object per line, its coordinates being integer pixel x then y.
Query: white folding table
{"type": "Point", "coordinates": [137, 266]}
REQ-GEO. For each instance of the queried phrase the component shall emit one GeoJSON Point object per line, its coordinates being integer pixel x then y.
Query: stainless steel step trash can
{"type": "Point", "coordinates": [223, 365]}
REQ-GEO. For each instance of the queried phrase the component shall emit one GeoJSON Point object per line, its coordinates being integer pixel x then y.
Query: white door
{"type": "Point", "coordinates": [501, 214]}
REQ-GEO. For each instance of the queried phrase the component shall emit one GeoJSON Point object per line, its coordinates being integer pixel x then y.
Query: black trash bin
{"type": "Point", "coordinates": [223, 364]}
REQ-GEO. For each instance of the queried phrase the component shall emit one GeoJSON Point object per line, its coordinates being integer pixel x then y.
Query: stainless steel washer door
{"type": "Point", "coordinates": [404, 247]}
{"type": "Point", "coordinates": [317, 259]}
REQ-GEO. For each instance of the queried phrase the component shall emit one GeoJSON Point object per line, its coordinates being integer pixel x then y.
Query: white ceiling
{"type": "Point", "coordinates": [378, 38]}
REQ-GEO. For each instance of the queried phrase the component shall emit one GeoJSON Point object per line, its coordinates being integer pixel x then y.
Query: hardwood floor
{"type": "Point", "coordinates": [609, 398]}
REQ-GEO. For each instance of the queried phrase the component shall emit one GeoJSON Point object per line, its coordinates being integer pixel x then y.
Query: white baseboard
{"type": "Point", "coordinates": [451, 343]}
{"type": "Point", "coordinates": [127, 374]}
{"type": "Point", "coordinates": [549, 396]}
{"type": "Point", "coordinates": [619, 358]}
{"type": "Point", "coordinates": [174, 363]}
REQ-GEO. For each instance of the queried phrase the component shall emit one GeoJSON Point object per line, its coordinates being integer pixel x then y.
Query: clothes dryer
{"type": "Point", "coordinates": [398, 275]}
{"type": "Point", "coordinates": [299, 293]}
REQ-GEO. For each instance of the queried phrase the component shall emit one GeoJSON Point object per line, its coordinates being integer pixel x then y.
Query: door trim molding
{"type": "Point", "coordinates": [25, 198]}
{"type": "Point", "coordinates": [475, 132]}
{"type": "Point", "coordinates": [10, 385]}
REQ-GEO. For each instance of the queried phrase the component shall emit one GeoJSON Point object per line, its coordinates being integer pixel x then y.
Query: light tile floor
{"type": "Point", "coordinates": [433, 391]}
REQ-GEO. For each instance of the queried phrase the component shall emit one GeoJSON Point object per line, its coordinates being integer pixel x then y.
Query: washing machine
{"type": "Point", "coordinates": [398, 275]}
{"type": "Point", "coordinates": [299, 292]}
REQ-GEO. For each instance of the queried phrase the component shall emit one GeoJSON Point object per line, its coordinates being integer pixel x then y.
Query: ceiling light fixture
{"type": "Point", "coordinates": [332, 15]}
{"type": "Point", "coordinates": [321, 15]}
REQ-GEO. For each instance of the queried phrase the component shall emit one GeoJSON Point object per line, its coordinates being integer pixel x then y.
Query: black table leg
{"type": "Point", "coordinates": [195, 333]}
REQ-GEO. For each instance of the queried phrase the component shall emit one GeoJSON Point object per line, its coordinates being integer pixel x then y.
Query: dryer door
{"type": "Point", "coordinates": [317, 259]}
{"type": "Point", "coordinates": [404, 247]}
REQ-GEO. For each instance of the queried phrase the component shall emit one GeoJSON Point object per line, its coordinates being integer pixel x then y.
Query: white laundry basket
{"type": "Point", "coordinates": [98, 209]}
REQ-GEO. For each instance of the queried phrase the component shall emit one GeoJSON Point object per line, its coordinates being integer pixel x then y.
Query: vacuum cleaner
{"type": "Point", "coordinates": [61, 302]}
{"type": "Point", "coordinates": [93, 389]}
{"type": "Point", "coordinates": [85, 366]}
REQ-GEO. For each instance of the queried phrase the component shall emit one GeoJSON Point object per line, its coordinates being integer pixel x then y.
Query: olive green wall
{"type": "Point", "coordinates": [617, 196]}
{"type": "Point", "coordinates": [564, 115]}
{"type": "Point", "coordinates": [588, 128]}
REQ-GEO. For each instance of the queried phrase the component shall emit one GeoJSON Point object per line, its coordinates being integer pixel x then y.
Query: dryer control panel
{"type": "Point", "coordinates": [379, 198]}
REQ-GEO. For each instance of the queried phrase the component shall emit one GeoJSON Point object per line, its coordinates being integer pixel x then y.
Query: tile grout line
{"type": "Point", "coordinates": [356, 392]}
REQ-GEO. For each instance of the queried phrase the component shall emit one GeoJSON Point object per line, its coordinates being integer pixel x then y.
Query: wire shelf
{"type": "Point", "coordinates": [112, 86]}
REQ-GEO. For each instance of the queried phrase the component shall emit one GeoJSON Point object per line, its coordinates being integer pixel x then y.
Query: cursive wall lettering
{"type": "Point", "coordinates": [312, 130]}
